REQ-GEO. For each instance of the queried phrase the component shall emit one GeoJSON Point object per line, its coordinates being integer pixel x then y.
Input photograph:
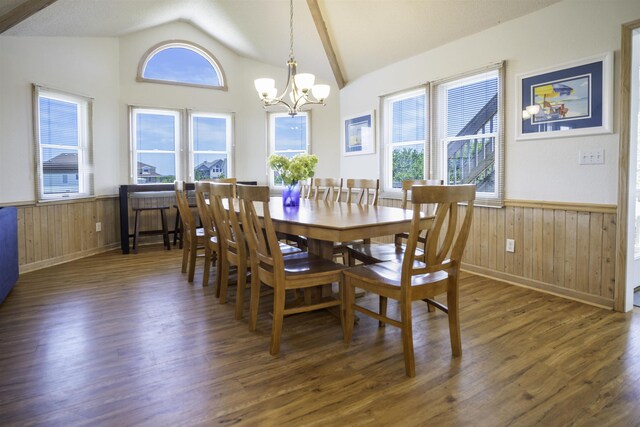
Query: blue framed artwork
{"type": "Point", "coordinates": [359, 135]}
{"type": "Point", "coordinates": [570, 100]}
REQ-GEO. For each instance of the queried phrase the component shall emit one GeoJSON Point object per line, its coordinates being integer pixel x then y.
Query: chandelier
{"type": "Point", "coordinates": [299, 90]}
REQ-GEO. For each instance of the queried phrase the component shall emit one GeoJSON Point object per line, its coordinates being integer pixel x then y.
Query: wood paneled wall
{"type": "Point", "coordinates": [49, 234]}
{"type": "Point", "coordinates": [559, 248]}
{"type": "Point", "coordinates": [57, 232]}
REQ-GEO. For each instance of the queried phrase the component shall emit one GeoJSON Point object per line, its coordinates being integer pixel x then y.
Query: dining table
{"type": "Point", "coordinates": [325, 223]}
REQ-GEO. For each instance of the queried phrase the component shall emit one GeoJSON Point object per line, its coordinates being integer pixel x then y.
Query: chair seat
{"type": "Point", "coordinates": [304, 263]}
{"type": "Point", "coordinates": [379, 252]}
{"type": "Point", "coordinates": [389, 274]}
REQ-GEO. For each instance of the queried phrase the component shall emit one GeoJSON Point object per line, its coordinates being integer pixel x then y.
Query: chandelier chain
{"type": "Point", "coordinates": [291, 29]}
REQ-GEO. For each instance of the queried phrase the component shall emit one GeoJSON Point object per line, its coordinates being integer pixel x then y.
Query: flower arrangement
{"type": "Point", "coordinates": [294, 170]}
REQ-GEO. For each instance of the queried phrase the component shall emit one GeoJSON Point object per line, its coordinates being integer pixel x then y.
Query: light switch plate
{"type": "Point", "coordinates": [591, 157]}
{"type": "Point", "coordinates": [511, 245]}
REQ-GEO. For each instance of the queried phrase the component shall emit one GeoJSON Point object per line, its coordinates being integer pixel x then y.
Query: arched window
{"type": "Point", "coordinates": [182, 63]}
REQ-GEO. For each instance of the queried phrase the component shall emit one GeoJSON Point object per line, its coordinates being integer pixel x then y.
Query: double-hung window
{"type": "Point", "coordinates": [63, 145]}
{"type": "Point", "coordinates": [210, 146]}
{"type": "Point", "coordinates": [288, 136]}
{"type": "Point", "coordinates": [468, 132]}
{"type": "Point", "coordinates": [404, 137]}
{"type": "Point", "coordinates": [155, 145]}
{"type": "Point", "coordinates": [162, 152]}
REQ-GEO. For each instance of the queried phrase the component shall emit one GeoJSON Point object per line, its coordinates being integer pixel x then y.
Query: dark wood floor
{"type": "Point", "coordinates": [125, 340]}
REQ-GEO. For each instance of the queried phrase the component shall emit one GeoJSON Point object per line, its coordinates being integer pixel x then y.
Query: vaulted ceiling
{"type": "Point", "coordinates": [365, 34]}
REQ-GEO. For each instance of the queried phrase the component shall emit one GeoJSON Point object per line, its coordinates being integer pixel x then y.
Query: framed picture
{"type": "Point", "coordinates": [570, 100]}
{"type": "Point", "coordinates": [359, 134]}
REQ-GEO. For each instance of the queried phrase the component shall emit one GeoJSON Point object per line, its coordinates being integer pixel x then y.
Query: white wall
{"type": "Point", "coordinates": [84, 66]}
{"type": "Point", "coordinates": [535, 170]}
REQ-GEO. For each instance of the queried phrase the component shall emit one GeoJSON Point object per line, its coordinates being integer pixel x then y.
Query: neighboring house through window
{"type": "Point", "coordinates": [288, 136]}
{"type": "Point", "coordinates": [210, 145]}
{"type": "Point", "coordinates": [63, 144]}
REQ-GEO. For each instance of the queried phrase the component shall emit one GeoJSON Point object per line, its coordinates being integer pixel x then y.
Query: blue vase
{"type": "Point", "coordinates": [291, 195]}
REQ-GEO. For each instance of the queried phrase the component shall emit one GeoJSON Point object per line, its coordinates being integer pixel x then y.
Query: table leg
{"type": "Point", "coordinates": [323, 249]}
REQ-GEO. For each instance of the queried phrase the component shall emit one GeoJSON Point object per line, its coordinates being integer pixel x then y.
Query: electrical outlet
{"type": "Point", "coordinates": [511, 245]}
{"type": "Point", "coordinates": [98, 226]}
{"type": "Point", "coordinates": [591, 157]}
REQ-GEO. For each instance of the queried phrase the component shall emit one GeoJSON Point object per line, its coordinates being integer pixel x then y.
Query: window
{"type": "Point", "coordinates": [210, 146]}
{"type": "Point", "coordinates": [405, 135]}
{"type": "Point", "coordinates": [469, 133]}
{"type": "Point", "coordinates": [63, 145]}
{"type": "Point", "coordinates": [155, 142]}
{"type": "Point", "coordinates": [288, 136]}
{"type": "Point", "coordinates": [181, 63]}
{"type": "Point", "coordinates": [159, 154]}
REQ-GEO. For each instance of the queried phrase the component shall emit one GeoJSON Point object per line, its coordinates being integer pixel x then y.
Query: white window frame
{"type": "Point", "coordinates": [440, 142]}
{"type": "Point", "coordinates": [388, 145]}
{"type": "Point", "coordinates": [177, 115]}
{"type": "Point", "coordinates": [229, 143]}
{"type": "Point", "coordinates": [272, 140]}
{"type": "Point", "coordinates": [84, 147]}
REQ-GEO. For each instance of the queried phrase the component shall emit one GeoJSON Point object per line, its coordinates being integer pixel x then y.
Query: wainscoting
{"type": "Point", "coordinates": [565, 249]}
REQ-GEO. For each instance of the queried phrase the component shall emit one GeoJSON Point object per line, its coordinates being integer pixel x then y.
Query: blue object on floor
{"type": "Point", "coordinates": [8, 250]}
{"type": "Point", "coordinates": [636, 297]}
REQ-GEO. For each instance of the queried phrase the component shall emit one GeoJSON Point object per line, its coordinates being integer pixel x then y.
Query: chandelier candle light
{"type": "Point", "coordinates": [300, 87]}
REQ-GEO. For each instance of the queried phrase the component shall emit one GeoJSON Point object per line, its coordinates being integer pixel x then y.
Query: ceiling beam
{"type": "Point", "coordinates": [326, 42]}
{"type": "Point", "coordinates": [22, 12]}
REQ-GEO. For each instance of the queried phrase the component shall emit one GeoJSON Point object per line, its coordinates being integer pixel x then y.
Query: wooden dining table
{"type": "Point", "coordinates": [324, 223]}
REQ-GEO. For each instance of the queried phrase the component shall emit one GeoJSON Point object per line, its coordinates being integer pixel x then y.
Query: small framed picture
{"type": "Point", "coordinates": [359, 134]}
{"type": "Point", "coordinates": [569, 100]}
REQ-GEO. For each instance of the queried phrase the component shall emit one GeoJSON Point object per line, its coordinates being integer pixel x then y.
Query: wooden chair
{"type": "Point", "coordinates": [369, 253]}
{"type": "Point", "coordinates": [193, 237]}
{"type": "Point", "coordinates": [305, 188]}
{"type": "Point", "coordinates": [233, 245]}
{"type": "Point", "coordinates": [363, 191]}
{"type": "Point", "coordinates": [211, 240]}
{"type": "Point", "coordinates": [331, 189]}
{"type": "Point", "coordinates": [416, 280]}
{"type": "Point", "coordinates": [296, 271]}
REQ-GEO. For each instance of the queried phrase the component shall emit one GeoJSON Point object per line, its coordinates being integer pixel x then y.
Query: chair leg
{"type": "Point", "coordinates": [176, 228]}
{"type": "Point", "coordinates": [349, 297]}
{"type": "Point", "coordinates": [193, 253]}
{"type": "Point", "coordinates": [383, 310]}
{"type": "Point", "coordinates": [165, 230]}
{"type": "Point", "coordinates": [185, 257]}
{"type": "Point", "coordinates": [224, 278]}
{"type": "Point", "coordinates": [207, 265]}
{"type": "Point", "coordinates": [454, 318]}
{"type": "Point", "coordinates": [278, 316]}
{"type": "Point", "coordinates": [218, 258]}
{"type": "Point", "coordinates": [407, 337]}
{"type": "Point", "coordinates": [136, 231]}
{"type": "Point", "coordinates": [255, 298]}
{"type": "Point", "coordinates": [241, 288]}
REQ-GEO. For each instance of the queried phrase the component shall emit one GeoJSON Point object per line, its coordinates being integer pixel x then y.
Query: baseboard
{"type": "Point", "coordinates": [512, 279]}
{"type": "Point", "coordinates": [66, 258]}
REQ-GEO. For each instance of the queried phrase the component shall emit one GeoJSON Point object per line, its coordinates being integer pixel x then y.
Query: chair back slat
{"type": "Point", "coordinates": [366, 191]}
{"type": "Point", "coordinates": [445, 240]}
{"type": "Point", "coordinates": [331, 189]}
{"type": "Point", "coordinates": [305, 188]}
{"type": "Point", "coordinates": [232, 181]}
